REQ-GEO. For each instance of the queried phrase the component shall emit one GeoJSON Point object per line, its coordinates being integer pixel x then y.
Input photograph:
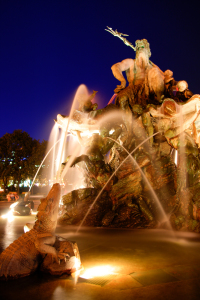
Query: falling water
{"type": "Point", "coordinates": [129, 155]}
{"type": "Point", "coordinates": [52, 140]}
{"type": "Point", "coordinates": [182, 161]}
{"type": "Point", "coordinates": [60, 154]}
{"type": "Point", "coordinates": [42, 164]}
{"type": "Point", "coordinates": [72, 157]}
{"type": "Point", "coordinates": [164, 216]}
{"type": "Point", "coordinates": [81, 93]}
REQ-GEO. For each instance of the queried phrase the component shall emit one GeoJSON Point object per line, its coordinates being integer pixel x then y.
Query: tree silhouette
{"type": "Point", "coordinates": [19, 156]}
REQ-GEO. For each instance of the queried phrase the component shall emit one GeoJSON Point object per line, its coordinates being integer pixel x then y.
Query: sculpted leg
{"type": "Point", "coordinates": [127, 117]}
{"type": "Point", "coordinates": [146, 120]}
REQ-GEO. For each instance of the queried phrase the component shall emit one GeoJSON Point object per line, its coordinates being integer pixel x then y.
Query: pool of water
{"type": "Point", "coordinates": [140, 259]}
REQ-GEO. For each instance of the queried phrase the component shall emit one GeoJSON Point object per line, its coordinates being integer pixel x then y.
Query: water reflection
{"type": "Point", "coordinates": [127, 251]}
{"type": "Point", "coordinates": [13, 229]}
{"type": "Point", "coordinates": [9, 234]}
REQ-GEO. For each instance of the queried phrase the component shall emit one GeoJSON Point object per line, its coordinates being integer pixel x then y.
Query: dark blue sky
{"type": "Point", "coordinates": [48, 48]}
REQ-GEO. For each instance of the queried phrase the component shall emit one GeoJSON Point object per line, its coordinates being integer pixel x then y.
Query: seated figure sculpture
{"type": "Point", "coordinates": [147, 83]}
{"type": "Point", "coordinates": [140, 71]}
{"type": "Point", "coordinates": [158, 123]}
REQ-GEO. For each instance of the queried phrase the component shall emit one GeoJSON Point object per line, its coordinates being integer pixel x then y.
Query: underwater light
{"type": "Point", "coordinates": [97, 271]}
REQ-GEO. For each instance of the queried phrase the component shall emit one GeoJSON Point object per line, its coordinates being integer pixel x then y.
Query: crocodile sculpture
{"type": "Point", "coordinates": [28, 252]}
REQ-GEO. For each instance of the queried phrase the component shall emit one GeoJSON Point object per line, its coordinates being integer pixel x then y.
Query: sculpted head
{"type": "Point", "coordinates": [182, 85]}
{"type": "Point", "coordinates": [143, 45]}
{"type": "Point", "coordinates": [47, 215]}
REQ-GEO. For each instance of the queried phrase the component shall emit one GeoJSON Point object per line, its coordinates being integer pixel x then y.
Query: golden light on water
{"type": "Point", "coordinates": [97, 271]}
{"type": "Point", "coordinates": [77, 271]}
{"type": "Point", "coordinates": [77, 263]}
{"type": "Point", "coordinates": [9, 216]}
{"type": "Point", "coordinates": [13, 205]}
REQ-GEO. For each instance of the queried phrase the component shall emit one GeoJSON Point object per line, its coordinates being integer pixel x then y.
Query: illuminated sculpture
{"type": "Point", "coordinates": [159, 118]}
{"type": "Point", "coordinates": [40, 247]}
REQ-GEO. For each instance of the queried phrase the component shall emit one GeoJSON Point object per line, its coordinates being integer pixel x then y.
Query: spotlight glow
{"type": "Point", "coordinates": [176, 157]}
{"type": "Point", "coordinates": [13, 205]}
{"type": "Point", "coordinates": [97, 271]}
{"type": "Point", "coordinates": [9, 216]}
{"type": "Point", "coordinates": [89, 133]}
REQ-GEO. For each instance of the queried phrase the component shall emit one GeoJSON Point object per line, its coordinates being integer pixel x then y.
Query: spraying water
{"type": "Point", "coordinates": [42, 164]}
{"type": "Point", "coordinates": [82, 93]}
{"type": "Point", "coordinates": [182, 159]}
{"type": "Point", "coordinates": [163, 214]}
{"type": "Point", "coordinates": [68, 164]}
{"type": "Point", "coordinates": [52, 140]}
{"type": "Point", "coordinates": [129, 155]}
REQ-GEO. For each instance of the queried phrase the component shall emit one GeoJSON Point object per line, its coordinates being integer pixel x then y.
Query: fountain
{"type": "Point", "coordinates": [133, 164]}
{"type": "Point", "coordinates": [126, 155]}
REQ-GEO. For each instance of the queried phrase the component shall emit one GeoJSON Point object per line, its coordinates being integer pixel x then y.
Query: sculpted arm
{"type": "Point", "coordinates": [44, 244]}
{"type": "Point", "coordinates": [118, 68]}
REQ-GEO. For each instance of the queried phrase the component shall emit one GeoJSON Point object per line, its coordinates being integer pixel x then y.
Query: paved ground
{"type": "Point", "coordinates": [148, 264]}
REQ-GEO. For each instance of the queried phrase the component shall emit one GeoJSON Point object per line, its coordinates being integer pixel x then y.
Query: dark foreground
{"type": "Point", "coordinates": [148, 264]}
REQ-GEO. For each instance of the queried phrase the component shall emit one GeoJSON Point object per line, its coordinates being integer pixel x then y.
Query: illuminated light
{"type": "Point", "coordinates": [26, 229]}
{"type": "Point", "coordinates": [80, 187]}
{"type": "Point", "coordinates": [27, 183]}
{"type": "Point", "coordinates": [9, 216]}
{"type": "Point", "coordinates": [60, 202]}
{"type": "Point", "coordinates": [111, 131]}
{"type": "Point", "coordinates": [176, 157]}
{"type": "Point", "coordinates": [4, 216]}
{"type": "Point", "coordinates": [88, 133]}
{"type": "Point", "coordinates": [97, 272]}
{"type": "Point", "coordinates": [77, 264]}
{"type": "Point", "coordinates": [77, 271]}
{"type": "Point", "coordinates": [13, 205]}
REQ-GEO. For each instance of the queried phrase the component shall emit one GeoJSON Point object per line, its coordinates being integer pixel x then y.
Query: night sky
{"type": "Point", "coordinates": [48, 48]}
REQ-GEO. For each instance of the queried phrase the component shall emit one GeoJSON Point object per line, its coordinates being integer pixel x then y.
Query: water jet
{"type": "Point", "coordinates": [146, 124]}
